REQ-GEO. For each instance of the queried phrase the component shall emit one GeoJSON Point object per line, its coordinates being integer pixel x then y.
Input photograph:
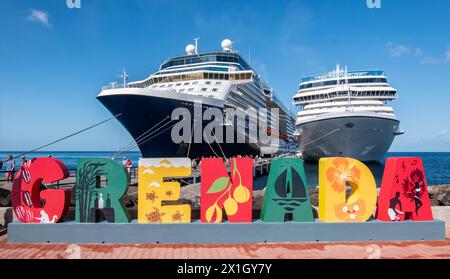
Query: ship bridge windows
{"type": "Point", "coordinates": [367, 80]}
{"type": "Point", "coordinates": [343, 81]}
{"type": "Point", "coordinates": [194, 76]}
{"type": "Point", "coordinates": [317, 84]}
{"type": "Point", "coordinates": [207, 57]}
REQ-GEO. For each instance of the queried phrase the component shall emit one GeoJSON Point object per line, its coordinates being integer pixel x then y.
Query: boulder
{"type": "Point", "coordinates": [5, 197]}
{"type": "Point", "coordinates": [439, 195]}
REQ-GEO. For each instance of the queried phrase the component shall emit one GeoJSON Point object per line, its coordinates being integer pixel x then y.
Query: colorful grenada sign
{"type": "Point", "coordinates": [403, 193]}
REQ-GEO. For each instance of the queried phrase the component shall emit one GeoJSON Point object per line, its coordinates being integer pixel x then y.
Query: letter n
{"type": "Point", "coordinates": [219, 190]}
{"type": "Point", "coordinates": [404, 192]}
{"type": "Point", "coordinates": [335, 174]}
{"type": "Point", "coordinates": [287, 193]}
{"type": "Point", "coordinates": [101, 185]}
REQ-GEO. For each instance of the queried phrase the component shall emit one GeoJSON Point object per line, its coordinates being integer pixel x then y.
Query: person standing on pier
{"type": "Point", "coordinates": [1, 165]}
{"type": "Point", "coordinates": [128, 165]}
{"type": "Point", "coordinates": [10, 167]}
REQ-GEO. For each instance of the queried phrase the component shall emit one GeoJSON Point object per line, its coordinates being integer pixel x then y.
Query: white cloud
{"type": "Point", "coordinates": [442, 133]}
{"type": "Point", "coordinates": [434, 60]}
{"type": "Point", "coordinates": [431, 60]}
{"type": "Point", "coordinates": [398, 50]}
{"type": "Point", "coordinates": [39, 16]}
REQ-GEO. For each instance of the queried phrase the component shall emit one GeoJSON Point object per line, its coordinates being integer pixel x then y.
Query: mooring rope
{"type": "Point", "coordinates": [69, 136]}
{"type": "Point", "coordinates": [332, 132]}
{"type": "Point", "coordinates": [132, 143]}
{"type": "Point", "coordinates": [212, 149]}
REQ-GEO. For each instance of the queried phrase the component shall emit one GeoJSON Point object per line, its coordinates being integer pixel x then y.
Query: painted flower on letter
{"type": "Point", "coordinates": [341, 172]}
{"type": "Point", "coordinates": [353, 212]}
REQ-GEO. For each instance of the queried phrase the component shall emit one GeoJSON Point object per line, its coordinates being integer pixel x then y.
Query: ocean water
{"type": "Point", "coordinates": [437, 165]}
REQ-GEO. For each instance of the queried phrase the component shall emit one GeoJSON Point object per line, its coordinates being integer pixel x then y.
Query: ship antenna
{"type": "Point", "coordinates": [124, 75]}
{"type": "Point", "coordinates": [196, 44]}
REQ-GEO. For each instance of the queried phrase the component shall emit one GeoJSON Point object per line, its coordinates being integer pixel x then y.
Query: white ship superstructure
{"type": "Point", "coordinates": [345, 114]}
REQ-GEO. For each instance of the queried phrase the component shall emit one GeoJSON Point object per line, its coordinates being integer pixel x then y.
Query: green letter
{"type": "Point", "coordinates": [287, 192]}
{"type": "Point", "coordinates": [94, 202]}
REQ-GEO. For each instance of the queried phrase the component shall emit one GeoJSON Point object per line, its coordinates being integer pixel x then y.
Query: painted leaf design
{"type": "Point", "coordinates": [219, 185]}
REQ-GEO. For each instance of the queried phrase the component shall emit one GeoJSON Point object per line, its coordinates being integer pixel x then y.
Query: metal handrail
{"type": "Point", "coordinates": [72, 173]}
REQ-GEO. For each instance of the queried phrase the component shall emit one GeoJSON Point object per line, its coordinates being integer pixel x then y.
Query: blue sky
{"type": "Point", "coordinates": [54, 60]}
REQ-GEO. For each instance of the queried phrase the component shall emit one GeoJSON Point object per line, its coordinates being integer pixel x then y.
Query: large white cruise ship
{"type": "Point", "coordinates": [199, 81]}
{"type": "Point", "coordinates": [344, 115]}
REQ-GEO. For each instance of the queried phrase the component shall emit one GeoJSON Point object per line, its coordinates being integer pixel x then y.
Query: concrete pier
{"type": "Point", "coordinates": [197, 232]}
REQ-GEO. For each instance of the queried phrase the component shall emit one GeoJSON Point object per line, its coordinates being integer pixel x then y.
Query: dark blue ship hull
{"type": "Point", "coordinates": [141, 113]}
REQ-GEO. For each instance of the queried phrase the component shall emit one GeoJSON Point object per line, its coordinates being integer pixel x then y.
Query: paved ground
{"type": "Point", "coordinates": [410, 250]}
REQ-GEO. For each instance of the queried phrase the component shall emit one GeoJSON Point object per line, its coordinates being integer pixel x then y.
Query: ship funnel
{"type": "Point", "coordinates": [227, 45]}
{"type": "Point", "coordinates": [190, 49]}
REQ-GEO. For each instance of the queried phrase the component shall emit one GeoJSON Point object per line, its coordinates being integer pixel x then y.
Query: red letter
{"type": "Point", "coordinates": [404, 192]}
{"type": "Point", "coordinates": [27, 193]}
{"type": "Point", "coordinates": [218, 190]}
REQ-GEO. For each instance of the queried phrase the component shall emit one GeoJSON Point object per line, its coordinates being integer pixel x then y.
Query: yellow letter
{"type": "Point", "coordinates": [153, 191]}
{"type": "Point", "coordinates": [334, 176]}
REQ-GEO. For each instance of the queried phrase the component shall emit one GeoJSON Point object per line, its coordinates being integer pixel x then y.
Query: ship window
{"type": "Point", "coordinates": [182, 90]}
{"type": "Point", "coordinates": [218, 83]}
{"type": "Point", "coordinates": [178, 84]}
{"type": "Point", "coordinates": [221, 76]}
{"type": "Point", "coordinates": [195, 83]}
{"type": "Point", "coordinates": [191, 89]}
{"type": "Point", "coordinates": [208, 82]}
{"type": "Point", "coordinates": [170, 85]}
{"type": "Point", "coordinates": [215, 89]}
{"type": "Point", "coordinates": [216, 76]}
{"type": "Point", "coordinates": [204, 89]}
{"type": "Point", "coordinates": [163, 86]}
{"type": "Point", "coordinates": [186, 83]}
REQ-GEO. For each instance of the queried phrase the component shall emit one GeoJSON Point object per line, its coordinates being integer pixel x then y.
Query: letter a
{"type": "Point", "coordinates": [287, 192]}
{"type": "Point", "coordinates": [404, 192]}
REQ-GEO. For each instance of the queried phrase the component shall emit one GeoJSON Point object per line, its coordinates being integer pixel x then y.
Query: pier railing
{"type": "Point", "coordinates": [260, 167]}
{"type": "Point", "coordinates": [67, 182]}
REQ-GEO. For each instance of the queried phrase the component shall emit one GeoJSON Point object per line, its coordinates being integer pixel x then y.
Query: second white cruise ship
{"type": "Point", "coordinates": [344, 115]}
